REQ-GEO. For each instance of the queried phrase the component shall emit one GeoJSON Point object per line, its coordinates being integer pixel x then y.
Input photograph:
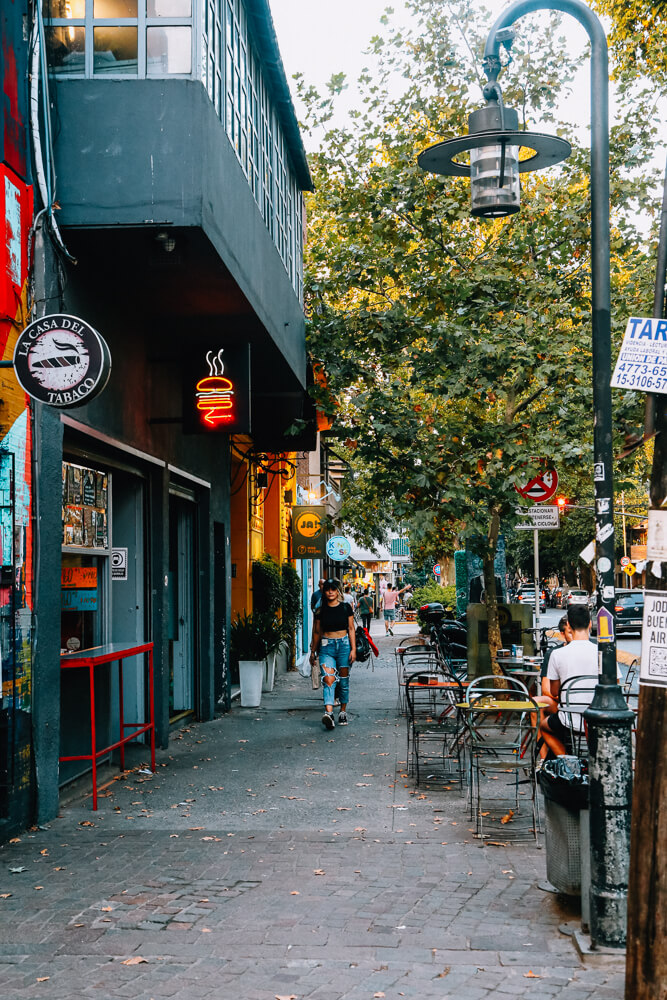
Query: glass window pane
{"type": "Point", "coordinates": [66, 50]}
{"type": "Point", "coordinates": [168, 50]}
{"type": "Point", "coordinates": [64, 8]}
{"type": "Point", "coordinates": [115, 51]}
{"type": "Point", "coordinates": [113, 9]}
{"type": "Point", "coordinates": [169, 8]}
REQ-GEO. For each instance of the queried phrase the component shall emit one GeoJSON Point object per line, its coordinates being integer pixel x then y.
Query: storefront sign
{"type": "Point", "coordinates": [78, 577]}
{"type": "Point", "coordinates": [216, 390]}
{"type": "Point", "coordinates": [338, 548]}
{"type": "Point", "coordinates": [62, 361]}
{"type": "Point", "coordinates": [309, 537]}
{"type": "Point", "coordinates": [78, 600]}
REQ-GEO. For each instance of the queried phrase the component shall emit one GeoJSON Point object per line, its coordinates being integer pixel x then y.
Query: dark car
{"type": "Point", "coordinates": [628, 611]}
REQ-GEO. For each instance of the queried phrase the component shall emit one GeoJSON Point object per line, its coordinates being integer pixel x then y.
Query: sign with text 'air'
{"type": "Point", "coordinates": [642, 361]}
{"type": "Point", "coordinates": [653, 670]}
{"type": "Point", "coordinates": [538, 517]}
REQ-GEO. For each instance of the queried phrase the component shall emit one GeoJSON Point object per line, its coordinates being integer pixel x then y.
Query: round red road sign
{"type": "Point", "coordinates": [541, 488]}
{"type": "Point", "coordinates": [625, 561]}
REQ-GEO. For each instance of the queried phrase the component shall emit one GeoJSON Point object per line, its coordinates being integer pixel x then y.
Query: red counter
{"type": "Point", "coordinates": [89, 659]}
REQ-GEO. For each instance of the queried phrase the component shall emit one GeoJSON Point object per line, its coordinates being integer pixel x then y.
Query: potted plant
{"type": "Point", "coordinates": [267, 605]}
{"type": "Point", "coordinates": [249, 647]}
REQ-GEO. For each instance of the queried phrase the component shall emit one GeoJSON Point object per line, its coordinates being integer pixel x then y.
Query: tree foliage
{"type": "Point", "coordinates": [457, 350]}
{"type": "Point", "coordinates": [638, 36]}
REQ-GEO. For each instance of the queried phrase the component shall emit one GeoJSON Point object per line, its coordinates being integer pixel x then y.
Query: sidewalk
{"type": "Point", "coordinates": [271, 858]}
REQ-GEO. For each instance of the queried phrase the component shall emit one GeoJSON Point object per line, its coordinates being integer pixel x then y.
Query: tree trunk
{"type": "Point", "coordinates": [490, 597]}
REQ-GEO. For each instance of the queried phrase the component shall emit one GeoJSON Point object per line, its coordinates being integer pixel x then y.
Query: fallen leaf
{"type": "Point", "coordinates": [445, 972]}
{"type": "Point", "coordinates": [319, 871]}
{"type": "Point", "coordinates": [206, 930]}
{"type": "Point", "coordinates": [37, 887]}
{"type": "Point", "coordinates": [5, 895]}
{"type": "Point", "coordinates": [107, 909]}
{"type": "Point", "coordinates": [60, 868]}
{"type": "Point", "coordinates": [42, 979]}
{"type": "Point", "coordinates": [15, 840]}
{"type": "Point", "coordinates": [135, 960]}
{"type": "Point", "coordinates": [44, 852]}
{"type": "Point", "coordinates": [343, 809]}
{"type": "Point", "coordinates": [292, 996]}
{"type": "Point", "coordinates": [295, 893]}
{"type": "Point", "coordinates": [507, 818]}
{"type": "Point", "coordinates": [195, 828]}
{"type": "Point", "coordinates": [530, 975]}
{"type": "Point", "coordinates": [86, 822]}
{"type": "Point", "coordinates": [378, 994]}
{"type": "Point", "coordinates": [15, 869]}
{"type": "Point", "coordinates": [495, 843]}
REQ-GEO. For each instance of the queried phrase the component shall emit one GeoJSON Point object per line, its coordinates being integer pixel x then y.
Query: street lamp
{"type": "Point", "coordinates": [492, 141]}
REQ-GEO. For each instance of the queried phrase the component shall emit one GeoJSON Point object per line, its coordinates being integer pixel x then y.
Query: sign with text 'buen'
{"type": "Point", "coordinates": [653, 670]}
{"type": "Point", "coordinates": [642, 361]}
{"type": "Point", "coordinates": [309, 538]}
{"type": "Point", "coordinates": [539, 517]}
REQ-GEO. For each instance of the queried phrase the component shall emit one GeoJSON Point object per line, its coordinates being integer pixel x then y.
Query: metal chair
{"type": "Point", "coordinates": [576, 694]}
{"type": "Point", "coordinates": [501, 723]}
{"type": "Point", "coordinates": [435, 725]}
{"type": "Point", "coordinates": [411, 657]}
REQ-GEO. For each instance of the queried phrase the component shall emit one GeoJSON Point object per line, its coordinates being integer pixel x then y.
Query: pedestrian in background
{"type": "Point", "coordinates": [366, 609]}
{"type": "Point", "coordinates": [317, 595]}
{"type": "Point", "coordinates": [335, 641]}
{"type": "Point", "coordinates": [390, 600]}
{"type": "Point", "coordinates": [348, 596]}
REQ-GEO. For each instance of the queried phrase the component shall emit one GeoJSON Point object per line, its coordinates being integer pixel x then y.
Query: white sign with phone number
{"type": "Point", "coordinates": [642, 362]}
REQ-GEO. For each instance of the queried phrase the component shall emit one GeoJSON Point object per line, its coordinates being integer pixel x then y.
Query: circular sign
{"type": "Point", "coordinates": [62, 361]}
{"type": "Point", "coordinates": [308, 524]}
{"type": "Point", "coordinates": [541, 488]}
{"type": "Point", "coordinates": [338, 548]}
{"type": "Point", "coordinates": [625, 561]}
{"type": "Point", "coordinates": [436, 569]}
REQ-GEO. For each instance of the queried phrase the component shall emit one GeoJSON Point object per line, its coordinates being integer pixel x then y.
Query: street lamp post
{"type": "Point", "coordinates": [494, 143]}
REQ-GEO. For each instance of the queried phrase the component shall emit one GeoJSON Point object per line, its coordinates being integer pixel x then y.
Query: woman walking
{"type": "Point", "coordinates": [365, 607]}
{"type": "Point", "coordinates": [334, 639]}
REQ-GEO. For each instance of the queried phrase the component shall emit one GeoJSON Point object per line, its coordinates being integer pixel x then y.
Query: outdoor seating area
{"type": "Point", "coordinates": [480, 738]}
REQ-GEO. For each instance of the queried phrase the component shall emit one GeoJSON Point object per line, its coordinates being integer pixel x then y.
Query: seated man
{"type": "Point", "coordinates": [578, 658]}
{"type": "Point", "coordinates": [551, 706]}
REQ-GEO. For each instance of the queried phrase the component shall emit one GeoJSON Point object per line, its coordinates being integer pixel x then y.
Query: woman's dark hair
{"type": "Point", "coordinates": [331, 584]}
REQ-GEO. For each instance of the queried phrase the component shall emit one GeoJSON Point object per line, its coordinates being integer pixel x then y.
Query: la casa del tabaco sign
{"type": "Point", "coordinates": [62, 361]}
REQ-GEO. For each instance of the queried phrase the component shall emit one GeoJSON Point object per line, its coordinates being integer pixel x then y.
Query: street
{"type": "Point", "coordinates": [270, 858]}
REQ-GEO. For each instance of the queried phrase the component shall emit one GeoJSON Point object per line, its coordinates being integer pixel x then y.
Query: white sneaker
{"type": "Point", "coordinates": [328, 720]}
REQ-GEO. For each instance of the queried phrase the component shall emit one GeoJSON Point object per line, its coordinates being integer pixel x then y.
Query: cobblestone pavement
{"type": "Point", "coordinates": [271, 858]}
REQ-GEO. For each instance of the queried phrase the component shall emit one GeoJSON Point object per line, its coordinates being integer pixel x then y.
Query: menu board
{"type": "Point", "coordinates": [85, 507]}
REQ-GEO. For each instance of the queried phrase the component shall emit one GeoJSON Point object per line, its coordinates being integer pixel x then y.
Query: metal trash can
{"type": "Point", "coordinates": [564, 784]}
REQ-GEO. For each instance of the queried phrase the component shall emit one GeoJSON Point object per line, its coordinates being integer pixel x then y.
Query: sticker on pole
{"type": "Point", "coordinates": [541, 488]}
{"type": "Point", "coordinates": [642, 361]}
{"type": "Point", "coordinates": [605, 626]}
{"type": "Point", "coordinates": [653, 670]}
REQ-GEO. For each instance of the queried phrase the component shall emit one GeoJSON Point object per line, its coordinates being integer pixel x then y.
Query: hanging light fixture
{"type": "Point", "coordinates": [498, 151]}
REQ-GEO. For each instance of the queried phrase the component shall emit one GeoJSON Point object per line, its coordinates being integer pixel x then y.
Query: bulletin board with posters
{"type": "Point", "coordinates": [85, 556]}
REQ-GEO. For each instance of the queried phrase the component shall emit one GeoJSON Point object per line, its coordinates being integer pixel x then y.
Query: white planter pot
{"type": "Point", "coordinates": [269, 672]}
{"type": "Point", "coordinates": [251, 675]}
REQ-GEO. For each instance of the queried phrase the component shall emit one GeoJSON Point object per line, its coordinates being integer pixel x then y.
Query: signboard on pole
{"type": "Point", "coordinates": [642, 361]}
{"type": "Point", "coordinates": [539, 517]}
{"type": "Point", "coordinates": [338, 548]}
{"type": "Point", "coordinates": [630, 569]}
{"type": "Point", "coordinates": [653, 670]}
{"type": "Point", "coordinates": [605, 626]}
{"type": "Point", "coordinates": [436, 569]}
{"type": "Point", "coordinates": [625, 561]}
{"type": "Point", "coordinates": [541, 488]}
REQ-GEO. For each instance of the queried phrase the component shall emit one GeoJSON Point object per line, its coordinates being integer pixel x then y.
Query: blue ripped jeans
{"type": "Point", "coordinates": [334, 654]}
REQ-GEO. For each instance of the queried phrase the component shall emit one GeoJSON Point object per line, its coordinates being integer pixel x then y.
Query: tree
{"type": "Point", "coordinates": [458, 350]}
{"type": "Point", "coordinates": [638, 36]}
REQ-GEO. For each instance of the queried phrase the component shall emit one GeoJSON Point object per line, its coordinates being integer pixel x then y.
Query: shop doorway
{"type": "Point", "coordinates": [182, 604]}
{"type": "Point", "coordinates": [128, 591]}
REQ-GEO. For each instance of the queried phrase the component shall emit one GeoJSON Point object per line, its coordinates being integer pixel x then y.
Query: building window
{"type": "Point", "coordinates": [130, 38]}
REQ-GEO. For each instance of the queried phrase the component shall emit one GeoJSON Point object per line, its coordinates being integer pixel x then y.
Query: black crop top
{"type": "Point", "coordinates": [336, 618]}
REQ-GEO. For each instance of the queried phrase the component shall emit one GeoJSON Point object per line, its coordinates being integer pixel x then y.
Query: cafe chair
{"type": "Point", "coordinates": [435, 724]}
{"type": "Point", "coordinates": [501, 726]}
{"type": "Point", "coordinates": [409, 658]}
{"type": "Point", "coordinates": [574, 697]}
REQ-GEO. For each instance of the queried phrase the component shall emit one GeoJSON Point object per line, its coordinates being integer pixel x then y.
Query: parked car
{"type": "Point", "coordinates": [577, 597]}
{"type": "Point", "coordinates": [526, 595]}
{"type": "Point", "coordinates": [629, 610]}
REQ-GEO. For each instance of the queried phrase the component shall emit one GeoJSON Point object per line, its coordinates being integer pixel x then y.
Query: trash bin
{"type": "Point", "coordinates": [564, 785]}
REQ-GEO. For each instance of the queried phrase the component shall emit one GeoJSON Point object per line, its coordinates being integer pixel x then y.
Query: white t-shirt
{"type": "Point", "coordinates": [579, 658]}
{"type": "Point", "coordinates": [349, 599]}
